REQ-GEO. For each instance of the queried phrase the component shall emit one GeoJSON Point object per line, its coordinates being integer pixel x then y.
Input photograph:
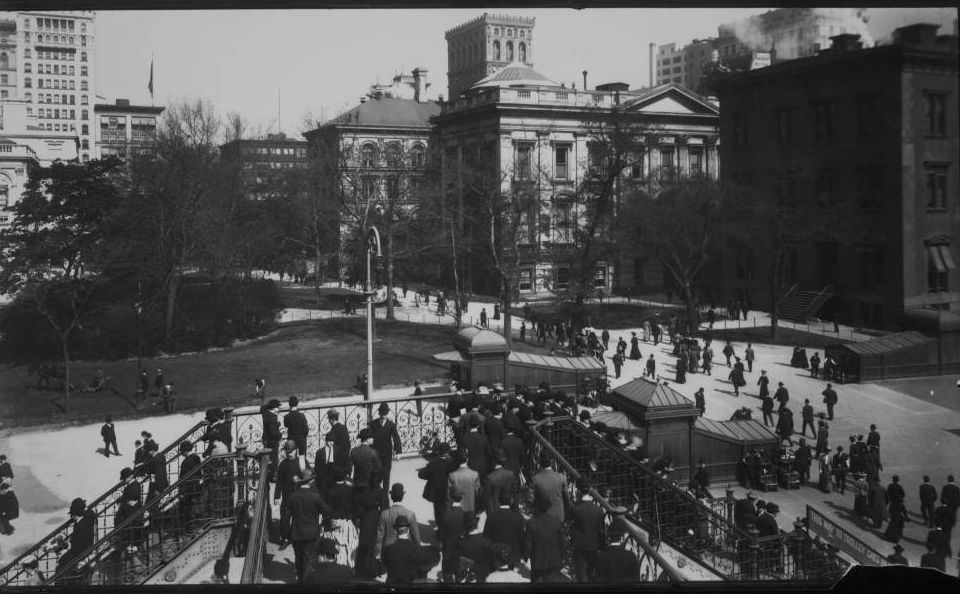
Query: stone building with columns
{"type": "Point", "coordinates": [538, 134]}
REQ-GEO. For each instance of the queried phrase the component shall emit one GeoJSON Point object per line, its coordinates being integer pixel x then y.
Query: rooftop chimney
{"type": "Point", "coordinates": [845, 42]}
{"type": "Point", "coordinates": [123, 102]}
{"type": "Point", "coordinates": [653, 64]}
{"type": "Point", "coordinates": [585, 88]}
{"type": "Point", "coordinates": [922, 34]}
{"type": "Point", "coordinates": [420, 84]}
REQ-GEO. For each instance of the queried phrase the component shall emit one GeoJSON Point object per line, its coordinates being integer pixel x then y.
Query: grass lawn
{"type": "Point", "coordinates": [317, 358]}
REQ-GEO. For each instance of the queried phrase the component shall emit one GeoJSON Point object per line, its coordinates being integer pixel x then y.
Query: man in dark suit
{"type": "Point", "coordinates": [586, 532]}
{"type": "Point", "coordinates": [9, 508]}
{"type": "Point", "coordinates": [405, 560]}
{"type": "Point", "coordinates": [477, 448]}
{"type": "Point", "coordinates": [767, 523]}
{"type": "Point", "coordinates": [505, 526]}
{"type": "Point", "coordinates": [81, 538]}
{"type": "Point", "coordinates": [296, 424]}
{"type": "Point", "coordinates": [132, 489]}
{"type": "Point", "coordinates": [109, 435]}
{"type": "Point", "coordinates": [616, 564]}
{"type": "Point", "coordinates": [449, 533]}
{"type": "Point", "coordinates": [950, 497]}
{"type": "Point", "coordinates": [289, 476]}
{"type": "Point", "coordinates": [157, 467]}
{"type": "Point", "coordinates": [493, 426]}
{"type": "Point", "coordinates": [807, 414]}
{"type": "Point", "coordinates": [6, 472]}
{"type": "Point", "coordinates": [928, 499]}
{"type": "Point", "coordinates": [500, 482]}
{"type": "Point", "coordinates": [511, 419]}
{"type": "Point", "coordinates": [339, 437]}
{"type": "Point", "coordinates": [940, 540]}
{"type": "Point", "coordinates": [367, 466]}
{"type": "Point", "coordinates": [328, 571]}
{"type": "Point", "coordinates": [386, 442]}
{"type": "Point", "coordinates": [339, 497]}
{"type": "Point", "coordinates": [386, 535]}
{"type": "Point", "coordinates": [306, 507]}
{"type": "Point", "coordinates": [744, 511]}
{"type": "Point", "coordinates": [544, 544]}
{"type": "Point", "coordinates": [933, 559]}
{"type": "Point", "coordinates": [189, 478]}
{"type": "Point", "coordinates": [271, 433]}
{"type": "Point", "coordinates": [436, 474]}
{"type": "Point", "coordinates": [513, 451]}
{"type": "Point", "coordinates": [479, 549]}
{"type": "Point", "coordinates": [551, 486]}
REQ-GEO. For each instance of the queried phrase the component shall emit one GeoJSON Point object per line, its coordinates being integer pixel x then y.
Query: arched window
{"type": "Point", "coordinates": [368, 155]}
{"type": "Point", "coordinates": [509, 51]}
{"type": "Point", "coordinates": [417, 156]}
{"type": "Point", "coordinates": [394, 154]}
{"type": "Point", "coordinates": [523, 52]}
{"type": "Point", "coordinates": [496, 50]}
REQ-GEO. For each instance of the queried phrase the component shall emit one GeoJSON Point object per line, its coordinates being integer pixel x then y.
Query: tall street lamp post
{"type": "Point", "coordinates": [373, 250]}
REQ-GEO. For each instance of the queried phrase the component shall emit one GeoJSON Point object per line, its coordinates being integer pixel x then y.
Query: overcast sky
{"type": "Point", "coordinates": [322, 61]}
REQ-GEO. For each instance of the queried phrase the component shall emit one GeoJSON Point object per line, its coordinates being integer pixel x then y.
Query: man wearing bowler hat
{"type": "Point", "coordinates": [405, 560]}
{"type": "Point", "coordinates": [271, 433]}
{"type": "Point", "coordinates": [386, 442]}
{"type": "Point", "coordinates": [386, 535]}
{"type": "Point", "coordinates": [306, 507]}
{"type": "Point", "coordinates": [338, 440]}
{"type": "Point", "coordinates": [297, 429]}
{"type": "Point", "coordinates": [897, 558]}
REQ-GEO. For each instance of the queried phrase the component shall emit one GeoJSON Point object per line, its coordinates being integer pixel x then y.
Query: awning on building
{"type": "Point", "coordinates": [934, 251]}
{"type": "Point", "coordinates": [947, 256]}
{"type": "Point", "coordinates": [745, 431]}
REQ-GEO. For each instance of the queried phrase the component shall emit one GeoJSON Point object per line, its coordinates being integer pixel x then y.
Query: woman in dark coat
{"type": "Point", "coordinates": [764, 383]}
{"type": "Point", "coordinates": [860, 490]}
{"type": "Point", "coordinates": [785, 423]}
{"type": "Point", "coordinates": [736, 378]}
{"type": "Point", "coordinates": [898, 515]}
{"type": "Point", "coordinates": [634, 346]}
{"type": "Point", "coordinates": [877, 499]}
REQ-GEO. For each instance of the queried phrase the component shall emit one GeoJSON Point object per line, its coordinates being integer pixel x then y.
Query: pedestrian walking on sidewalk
{"type": "Point", "coordinates": [928, 497]}
{"type": "Point", "coordinates": [651, 371]}
{"type": "Point", "coordinates": [9, 508]}
{"type": "Point", "coordinates": [728, 352]}
{"type": "Point", "coordinates": [766, 407]}
{"type": "Point", "coordinates": [109, 435]}
{"type": "Point", "coordinates": [807, 414]}
{"type": "Point", "coordinates": [764, 382]}
{"type": "Point", "coordinates": [814, 365]}
{"type": "Point", "coordinates": [830, 399]}
{"type": "Point", "coordinates": [749, 355]}
{"type": "Point", "coordinates": [6, 472]}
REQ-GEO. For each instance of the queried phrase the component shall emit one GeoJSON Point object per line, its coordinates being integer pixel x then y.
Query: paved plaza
{"type": "Point", "coordinates": [52, 466]}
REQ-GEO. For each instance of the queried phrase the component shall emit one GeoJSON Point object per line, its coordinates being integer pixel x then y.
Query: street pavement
{"type": "Point", "coordinates": [56, 464]}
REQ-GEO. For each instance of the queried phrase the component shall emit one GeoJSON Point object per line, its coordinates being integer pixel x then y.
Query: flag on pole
{"type": "Point", "coordinates": [150, 84]}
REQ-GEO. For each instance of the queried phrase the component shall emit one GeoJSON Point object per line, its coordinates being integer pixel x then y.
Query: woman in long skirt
{"type": "Point", "coordinates": [860, 488]}
{"type": "Point", "coordinates": [764, 383]}
{"type": "Point", "coordinates": [825, 472]}
{"type": "Point", "coordinates": [898, 515]}
{"type": "Point", "coordinates": [634, 346]}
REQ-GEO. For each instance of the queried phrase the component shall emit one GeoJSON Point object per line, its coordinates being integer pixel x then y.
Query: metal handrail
{"type": "Point", "coordinates": [252, 572]}
{"type": "Point", "coordinates": [610, 508]}
{"type": "Point", "coordinates": [753, 557]}
{"type": "Point", "coordinates": [152, 509]}
{"type": "Point", "coordinates": [101, 507]}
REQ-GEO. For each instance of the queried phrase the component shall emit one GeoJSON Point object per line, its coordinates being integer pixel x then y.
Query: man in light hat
{"type": "Point", "coordinates": [386, 442]}
{"type": "Point", "coordinates": [297, 429]}
{"type": "Point", "coordinates": [386, 535]}
{"type": "Point", "coordinates": [288, 477]}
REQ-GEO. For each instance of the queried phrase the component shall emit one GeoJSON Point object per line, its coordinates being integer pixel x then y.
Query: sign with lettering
{"type": "Point", "coordinates": [841, 538]}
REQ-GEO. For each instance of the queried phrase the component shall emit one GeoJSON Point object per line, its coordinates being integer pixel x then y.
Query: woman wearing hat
{"type": "Point", "coordinates": [82, 537]}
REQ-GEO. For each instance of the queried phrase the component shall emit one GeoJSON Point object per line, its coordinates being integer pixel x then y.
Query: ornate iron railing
{"type": "Point", "coordinates": [256, 545]}
{"type": "Point", "coordinates": [653, 567]}
{"type": "Point", "coordinates": [416, 417]}
{"type": "Point", "coordinates": [136, 548]}
{"type": "Point", "coordinates": [674, 515]}
{"type": "Point", "coordinates": [105, 507]}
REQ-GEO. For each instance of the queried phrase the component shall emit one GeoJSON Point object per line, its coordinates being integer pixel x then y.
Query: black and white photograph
{"type": "Point", "coordinates": [431, 297]}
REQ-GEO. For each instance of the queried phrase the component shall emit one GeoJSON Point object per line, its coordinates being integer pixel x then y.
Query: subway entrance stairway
{"type": "Point", "coordinates": [219, 532]}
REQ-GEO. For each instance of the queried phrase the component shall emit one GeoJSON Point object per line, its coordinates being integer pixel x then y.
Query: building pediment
{"type": "Point", "coordinates": [672, 99]}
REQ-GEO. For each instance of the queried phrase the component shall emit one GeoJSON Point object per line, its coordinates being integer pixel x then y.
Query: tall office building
{"type": "Point", "coordinates": [478, 48]}
{"type": "Point", "coordinates": [48, 60]}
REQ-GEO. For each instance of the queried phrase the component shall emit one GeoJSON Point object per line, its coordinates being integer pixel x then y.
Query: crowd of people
{"type": "Point", "coordinates": [477, 492]}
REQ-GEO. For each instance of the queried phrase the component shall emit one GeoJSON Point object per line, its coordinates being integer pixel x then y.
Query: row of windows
{"type": "Point", "coordinates": [868, 185]}
{"type": "Point", "coordinates": [68, 70]}
{"type": "Point", "coordinates": [869, 119]}
{"type": "Point", "coordinates": [57, 114]}
{"type": "Point", "coordinates": [56, 99]}
{"type": "Point", "coordinates": [61, 39]}
{"type": "Point", "coordinates": [523, 163]}
{"type": "Point", "coordinates": [55, 83]}
{"type": "Point", "coordinates": [61, 55]}
{"type": "Point", "coordinates": [521, 50]}
{"type": "Point", "coordinates": [508, 31]}
{"type": "Point", "coordinates": [51, 24]}
{"type": "Point", "coordinates": [393, 154]}
{"type": "Point", "coordinates": [273, 150]}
